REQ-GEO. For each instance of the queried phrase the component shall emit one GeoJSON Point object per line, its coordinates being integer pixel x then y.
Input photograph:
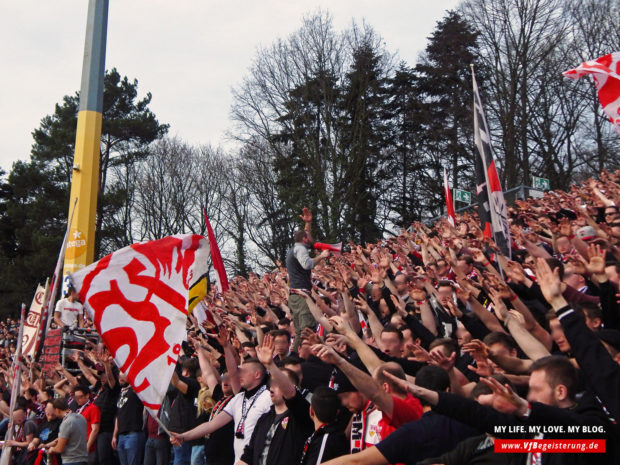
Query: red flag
{"type": "Point", "coordinates": [138, 297]}
{"type": "Point", "coordinates": [606, 74]}
{"type": "Point", "coordinates": [449, 203]}
{"type": "Point", "coordinates": [216, 258]}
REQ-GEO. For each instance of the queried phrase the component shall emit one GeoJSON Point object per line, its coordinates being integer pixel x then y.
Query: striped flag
{"type": "Point", "coordinates": [493, 214]}
{"type": "Point", "coordinates": [606, 74]}
{"type": "Point", "coordinates": [449, 203]}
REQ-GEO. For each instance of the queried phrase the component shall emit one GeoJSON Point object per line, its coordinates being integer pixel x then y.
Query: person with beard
{"type": "Point", "coordinates": [244, 409]}
{"type": "Point", "coordinates": [128, 437]}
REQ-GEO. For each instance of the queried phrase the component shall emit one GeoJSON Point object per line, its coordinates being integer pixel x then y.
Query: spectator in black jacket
{"type": "Point", "coordinates": [183, 410]}
{"type": "Point", "coordinates": [327, 441]}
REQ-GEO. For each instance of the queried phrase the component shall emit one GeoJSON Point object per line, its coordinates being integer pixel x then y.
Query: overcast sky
{"type": "Point", "coordinates": [187, 53]}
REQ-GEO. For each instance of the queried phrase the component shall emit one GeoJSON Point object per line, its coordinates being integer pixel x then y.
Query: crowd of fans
{"type": "Point", "coordinates": [427, 347]}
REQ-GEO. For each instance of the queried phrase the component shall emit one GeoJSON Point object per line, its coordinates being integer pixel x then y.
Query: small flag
{"type": "Point", "coordinates": [137, 297]}
{"type": "Point", "coordinates": [216, 258]}
{"type": "Point", "coordinates": [606, 74]}
{"type": "Point", "coordinates": [449, 203]}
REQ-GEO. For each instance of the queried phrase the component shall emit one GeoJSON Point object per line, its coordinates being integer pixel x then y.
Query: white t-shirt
{"type": "Point", "coordinates": [234, 408]}
{"type": "Point", "coordinates": [69, 311]}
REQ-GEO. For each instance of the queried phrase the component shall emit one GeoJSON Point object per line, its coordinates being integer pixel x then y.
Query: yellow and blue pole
{"type": "Point", "coordinates": [85, 181]}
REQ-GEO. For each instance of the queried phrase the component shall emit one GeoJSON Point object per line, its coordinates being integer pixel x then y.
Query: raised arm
{"type": "Point", "coordinates": [363, 382]}
{"type": "Point", "coordinates": [365, 353]}
{"type": "Point", "coordinates": [265, 353]}
{"type": "Point", "coordinates": [221, 419]}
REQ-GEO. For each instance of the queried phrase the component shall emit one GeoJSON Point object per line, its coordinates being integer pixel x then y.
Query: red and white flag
{"type": "Point", "coordinates": [138, 297]}
{"type": "Point", "coordinates": [32, 325]}
{"type": "Point", "coordinates": [449, 203]}
{"type": "Point", "coordinates": [606, 74]}
{"type": "Point", "coordinates": [216, 258]}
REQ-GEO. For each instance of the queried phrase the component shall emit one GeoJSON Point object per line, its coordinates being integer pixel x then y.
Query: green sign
{"type": "Point", "coordinates": [541, 183]}
{"type": "Point", "coordinates": [462, 196]}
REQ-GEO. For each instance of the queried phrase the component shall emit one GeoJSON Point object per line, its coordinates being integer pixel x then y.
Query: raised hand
{"type": "Point", "coordinates": [265, 352]}
{"type": "Point", "coordinates": [505, 400]}
{"type": "Point", "coordinates": [326, 354]}
{"type": "Point", "coordinates": [399, 304]}
{"type": "Point", "coordinates": [420, 354]}
{"type": "Point", "coordinates": [596, 257]}
{"type": "Point", "coordinates": [477, 349]}
{"type": "Point", "coordinates": [517, 316]}
{"type": "Point", "coordinates": [342, 326]}
{"type": "Point", "coordinates": [311, 336]}
{"type": "Point", "coordinates": [363, 306]}
{"type": "Point", "coordinates": [501, 311]}
{"type": "Point", "coordinates": [306, 215]}
{"type": "Point", "coordinates": [477, 255]}
{"type": "Point", "coordinates": [439, 359]}
{"type": "Point", "coordinates": [223, 336]}
{"type": "Point", "coordinates": [454, 309]}
{"type": "Point", "coordinates": [549, 282]}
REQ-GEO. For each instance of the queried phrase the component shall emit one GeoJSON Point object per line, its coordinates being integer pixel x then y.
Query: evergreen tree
{"type": "Point", "coordinates": [444, 86]}
{"type": "Point", "coordinates": [364, 142]}
{"type": "Point", "coordinates": [35, 195]}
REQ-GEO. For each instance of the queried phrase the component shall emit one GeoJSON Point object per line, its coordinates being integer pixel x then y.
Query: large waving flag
{"type": "Point", "coordinates": [489, 185]}
{"type": "Point", "coordinates": [449, 203]}
{"type": "Point", "coordinates": [138, 297]}
{"type": "Point", "coordinates": [606, 74]}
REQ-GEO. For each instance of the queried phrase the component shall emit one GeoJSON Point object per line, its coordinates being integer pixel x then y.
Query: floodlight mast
{"type": "Point", "coordinates": [80, 249]}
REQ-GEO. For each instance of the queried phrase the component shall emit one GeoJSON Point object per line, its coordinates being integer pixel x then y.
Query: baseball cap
{"type": "Point", "coordinates": [586, 233]}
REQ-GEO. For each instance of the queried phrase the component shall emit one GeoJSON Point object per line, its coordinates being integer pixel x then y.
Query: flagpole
{"type": "Point", "coordinates": [16, 370]}
{"type": "Point", "coordinates": [57, 272]}
{"type": "Point", "coordinates": [159, 422]}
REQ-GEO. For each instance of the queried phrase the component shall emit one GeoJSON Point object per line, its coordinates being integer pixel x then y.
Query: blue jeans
{"type": "Point", "coordinates": [130, 448]}
{"type": "Point", "coordinates": [157, 451]}
{"type": "Point", "coordinates": [182, 454]}
{"type": "Point", "coordinates": [198, 455]}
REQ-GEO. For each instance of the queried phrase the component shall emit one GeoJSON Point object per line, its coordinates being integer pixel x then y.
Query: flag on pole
{"type": "Point", "coordinates": [16, 381]}
{"type": "Point", "coordinates": [449, 203]}
{"type": "Point", "coordinates": [489, 188]}
{"type": "Point", "coordinates": [216, 258]}
{"type": "Point", "coordinates": [137, 298]}
{"type": "Point", "coordinates": [48, 311]}
{"type": "Point", "coordinates": [606, 74]}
